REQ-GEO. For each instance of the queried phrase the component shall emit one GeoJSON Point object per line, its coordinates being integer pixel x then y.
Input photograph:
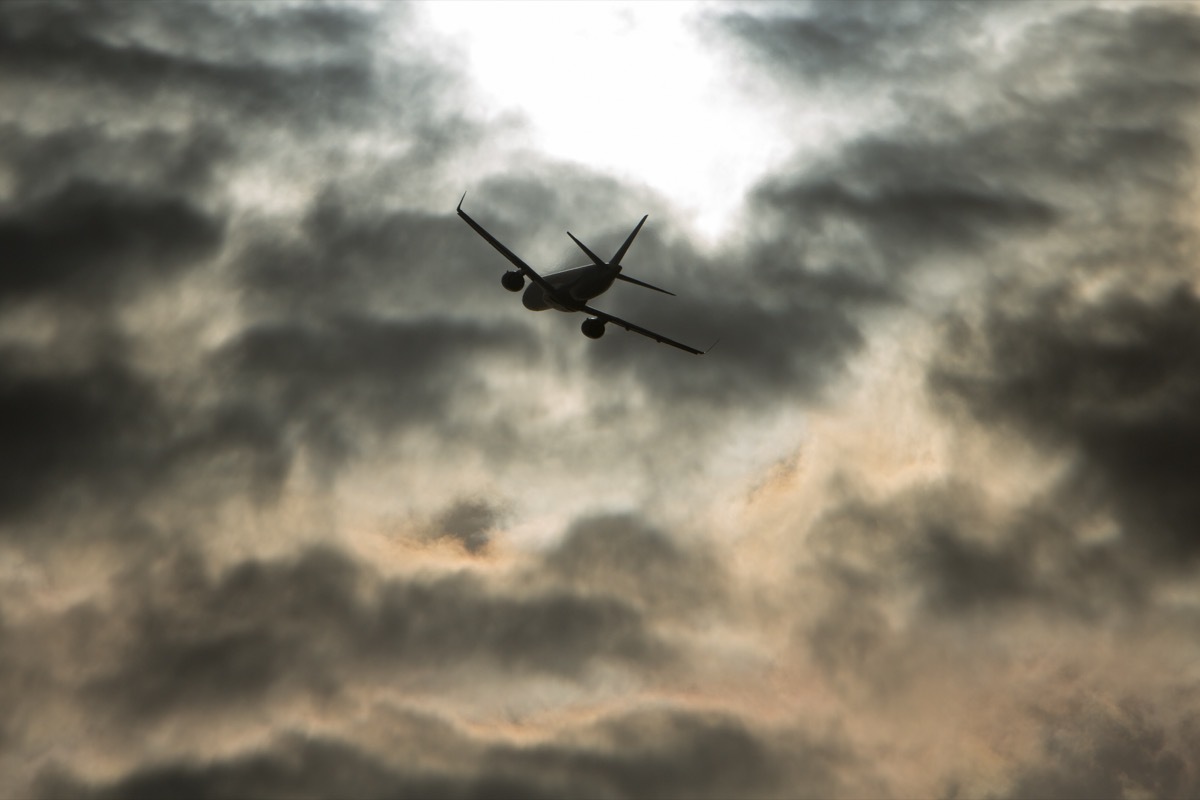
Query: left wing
{"type": "Point", "coordinates": [629, 326]}
{"type": "Point", "coordinates": [509, 254]}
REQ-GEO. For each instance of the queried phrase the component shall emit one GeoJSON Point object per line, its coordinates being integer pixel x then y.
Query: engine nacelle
{"type": "Point", "coordinates": [593, 328]}
{"type": "Point", "coordinates": [513, 281]}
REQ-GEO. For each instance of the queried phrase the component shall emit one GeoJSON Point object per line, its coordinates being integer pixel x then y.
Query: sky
{"type": "Point", "coordinates": [297, 501]}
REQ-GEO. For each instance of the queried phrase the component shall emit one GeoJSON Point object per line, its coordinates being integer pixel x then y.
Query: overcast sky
{"type": "Point", "coordinates": [296, 500]}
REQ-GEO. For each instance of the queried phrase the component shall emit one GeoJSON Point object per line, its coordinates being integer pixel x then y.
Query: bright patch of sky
{"type": "Point", "coordinates": [629, 89]}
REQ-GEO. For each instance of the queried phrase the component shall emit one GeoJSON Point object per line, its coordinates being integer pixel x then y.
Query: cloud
{"type": "Point", "coordinates": [855, 42]}
{"type": "Point", "coordinates": [154, 159]}
{"type": "Point", "coordinates": [242, 320]}
{"type": "Point", "coordinates": [468, 522]}
{"type": "Point", "coordinates": [701, 755]}
{"type": "Point", "coordinates": [1112, 751]}
{"type": "Point", "coordinates": [104, 436]}
{"type": "Point", "coordinates": [337, 386]}
{"type": "Point", "coordinates": [349, 255]}
{"type": "Point", "coordinates": [1115, 383]}
{"type": "Point", "coordinates": [237, 63]}
{"type": "Point", "coordinates": [189, 638]}
{"type": "Point", "coordinates": [909, 218]}
{"type": "Point", "coordinates": [621, 554]}
{"type": "Point", "coordinates": [966, 174]}
{"type": "Point", "coordinates": [100, 239]}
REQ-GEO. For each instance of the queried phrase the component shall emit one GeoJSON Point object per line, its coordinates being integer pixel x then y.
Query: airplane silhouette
{"type": "Point", "coordinates": [570, 289]}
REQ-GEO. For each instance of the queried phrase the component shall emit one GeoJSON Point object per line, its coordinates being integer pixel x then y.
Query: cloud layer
{"type": "Point", "coordinates": [295, 500]}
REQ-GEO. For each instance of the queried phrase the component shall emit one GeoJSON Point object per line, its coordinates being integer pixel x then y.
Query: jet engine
{"type": "Point", "coordinates": [593, 328]}
{"type": "Point", "coordinates": [513, 281]}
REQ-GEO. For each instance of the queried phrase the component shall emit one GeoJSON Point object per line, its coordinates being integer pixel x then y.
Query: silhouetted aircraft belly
{"type": "Point", "coordinates": [571, 289]}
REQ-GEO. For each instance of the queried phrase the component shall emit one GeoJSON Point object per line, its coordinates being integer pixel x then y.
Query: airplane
{"type": "Point", "coordinates": [570, 290]}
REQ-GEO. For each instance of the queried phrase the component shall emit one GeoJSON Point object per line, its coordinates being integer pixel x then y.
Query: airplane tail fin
{"type": "Point", "coordinates": [616, 259]}
{"type": "Point", "coordinates": [625, 247]}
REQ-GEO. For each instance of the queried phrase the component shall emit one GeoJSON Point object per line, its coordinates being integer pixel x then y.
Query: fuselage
{"type": "Point", "coordinates": [578, 284]}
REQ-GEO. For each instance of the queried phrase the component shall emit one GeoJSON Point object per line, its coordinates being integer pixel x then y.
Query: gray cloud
{"type": "Point", "coordinates": [104, 436]}
{"type": "Point", "coordinates": [857, 41]}
{"type": "Point", "coordinates": [356, 316]}
{"type": "Point", "coordinates": [155, 158]}
{"type": "Point", "coordinates": [1116, 383]}
{"type": "Point", "coordinates": [660, 753]}
{"type": "Point", "coordinates": [335, 386]}
{"type": "Point", "coordinates": [189, 638]}
{"type": "Point", "coordinates": [1113, 751]}
{"type": "Point", "coordinates": [100, 239]}
{"type": "Point", "coordinates": [623, 555]}
{"type": "Point", "coordinates": [1104, 148]}
{"type": "Point", "coordinates": [348, 256]}
{"type": "Point", "coordinates": [468, 522]}
{"type": "Point", "coordinates": [238, 62]}
{"type": "Point", "coordinates": [914, 216]}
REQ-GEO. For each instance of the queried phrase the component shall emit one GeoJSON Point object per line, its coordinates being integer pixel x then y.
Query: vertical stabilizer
{"type": "Point", "coordinates": [625, 247]}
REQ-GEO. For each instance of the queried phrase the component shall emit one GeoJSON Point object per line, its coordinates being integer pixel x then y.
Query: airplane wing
{"type": "Point", "coordinates": [525, 269]}
{"type": "Point", "coordinates": [629, 326]}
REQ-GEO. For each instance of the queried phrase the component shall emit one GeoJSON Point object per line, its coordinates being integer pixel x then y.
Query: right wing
{"type": "Point", "coordinates": [629, 326]}
{"type": "Point", "coordinates": [525, 269]}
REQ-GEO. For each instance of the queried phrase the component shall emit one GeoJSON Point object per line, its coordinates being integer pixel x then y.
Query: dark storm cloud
{"type": "Point", "coordinates": [1115, 383]}
{"type": "Point", "coordinates": [330, 384]}
{"type": "Point", "coordinates": [103, 435]}
{"type": "Point", "coordinates": [784, 332]}
{"type": "Point", "coordinates": [231, 58]}
{"type": "Point", "coordinates": [351, 253]}
{"type": "Point", "coordinates": [158, 159]}
{"type": "Point", "coordinates": [1106, 145]}
{"type": "Point", "coordinates": [963, 560]}
{"type": "Point", "coordinates": [190, 639]}
{"type": "Point", "coordinates": [65, 428]}
{"type": "Point", "coordinates": [97, 216]}
{"type": "Point", "coordinates": [857, 42]}
{"type": "Point", "coordinates": [647, 754]}
{"type": "Point", "coordinates": [180, 635]}
{"type": "Point", "coordinates": [911, 217]}
{"type": "Point", "coordinates": [98, 239]}
{"type": "Point", "coordinates": [114, 195]}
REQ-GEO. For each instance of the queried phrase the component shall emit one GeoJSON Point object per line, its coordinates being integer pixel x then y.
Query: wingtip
{"type": "Point", "coordinates": [711, 346]}
{"type": "Point", "coordinates": [460, 201]}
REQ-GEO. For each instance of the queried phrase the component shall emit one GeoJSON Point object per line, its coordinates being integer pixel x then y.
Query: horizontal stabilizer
{"type": "Point", "coordinates": [643, 283]}
{"type": "Point", "coordinates": [595, 258]}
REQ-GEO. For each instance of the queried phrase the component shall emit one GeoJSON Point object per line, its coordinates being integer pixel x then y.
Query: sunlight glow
{"type": "Point", "coordinates": [625, 88]}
